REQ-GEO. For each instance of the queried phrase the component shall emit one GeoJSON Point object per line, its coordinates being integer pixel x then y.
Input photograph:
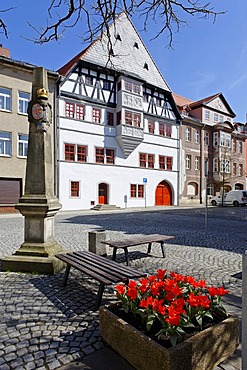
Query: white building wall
{"type": "Point", "coordinates": [119, 176]}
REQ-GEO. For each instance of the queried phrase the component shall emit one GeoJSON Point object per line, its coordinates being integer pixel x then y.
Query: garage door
{"type": "Point", "coordinates": [10, 191]}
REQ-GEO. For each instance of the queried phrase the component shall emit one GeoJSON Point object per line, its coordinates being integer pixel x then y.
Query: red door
{"type": "Point", "coordinates": [163, 194]}
{"type": "Point", "coordinates": [103, 193]}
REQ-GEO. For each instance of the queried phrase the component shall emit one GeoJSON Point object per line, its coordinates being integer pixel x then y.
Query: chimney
{"type": "Point", "coordinates": [4, 52]}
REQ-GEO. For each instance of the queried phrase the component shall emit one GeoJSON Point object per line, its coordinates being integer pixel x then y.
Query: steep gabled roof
{"type": "Point", "coordinates": [185, 102]}
{"type": "Point", "coordinates": [209, 99]}
{"type": "Point", "coordinates": [181, 101]}
{"type": "Point", "coordinates": [130, 55]}
{"type": "Point", "coordinates": [204, 100]}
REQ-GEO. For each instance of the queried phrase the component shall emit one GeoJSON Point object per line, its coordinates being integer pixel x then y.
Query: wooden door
{"type": "Point", "coordinates": [103, 193]}
{"type": "Point", "coordinates": [163, 195]}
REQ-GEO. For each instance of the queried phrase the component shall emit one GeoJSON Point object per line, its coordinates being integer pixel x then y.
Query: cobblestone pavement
{"type": "Point", "coordinates": [46, 326]}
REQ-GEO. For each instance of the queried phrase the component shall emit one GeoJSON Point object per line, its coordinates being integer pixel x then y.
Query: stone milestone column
{"type": "Point", "coordinates": [39, 204]}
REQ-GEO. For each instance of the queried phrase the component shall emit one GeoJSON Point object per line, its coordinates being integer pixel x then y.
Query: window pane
{"type": "Point", "coordinates": [99, 153]}
{"type": "Point", "coordinates": [5, 99]}
{"type": "Point", "coordinates": [22, 145]}
{"type": "Point", "coordinates": [81, 153]}
{"type": "Point", "coordinates": [5, 143]}
{"type": "Point", "coordinates": [74, 189]}
{"type": "Point", "coordinates": [23, 102]}
{"type": "Point", "coordinates": [69, 152]}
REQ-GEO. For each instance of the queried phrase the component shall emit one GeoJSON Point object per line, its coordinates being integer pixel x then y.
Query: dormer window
{"type": "Point", "coordinates": [136, 45]}
{"type": "Point", "coordinates": [118, 37]}
{"type": "Point", "coordinates": [146, 66]}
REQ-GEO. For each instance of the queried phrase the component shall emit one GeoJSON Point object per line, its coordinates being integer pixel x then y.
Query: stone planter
{"type": "Point", "coordinates": [202, 351]}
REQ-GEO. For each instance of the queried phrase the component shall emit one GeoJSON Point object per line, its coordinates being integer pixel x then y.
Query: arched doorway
{"type": "Point", "coordinates": [163, 194]}
{"type": "Point", "coordinates": [103, 193]}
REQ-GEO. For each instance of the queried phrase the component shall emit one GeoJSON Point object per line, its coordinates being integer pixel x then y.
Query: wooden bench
{"type": "Point", "coordinates": [137, 240]}
{"type": "Point", "coordinates": [105, 271]}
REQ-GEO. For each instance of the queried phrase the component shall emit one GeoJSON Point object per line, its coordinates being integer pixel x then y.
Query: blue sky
{"type": "Point", "coordinates": [206, 58]}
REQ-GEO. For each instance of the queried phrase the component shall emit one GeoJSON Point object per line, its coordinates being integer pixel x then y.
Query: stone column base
{"type": "Point", "coordinates": [34, 258]}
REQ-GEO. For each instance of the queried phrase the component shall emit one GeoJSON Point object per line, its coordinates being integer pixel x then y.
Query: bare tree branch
{"type": "Point", "coordinates": [97, 15]}
{"type": "Point", "coordinates": [3, 26]}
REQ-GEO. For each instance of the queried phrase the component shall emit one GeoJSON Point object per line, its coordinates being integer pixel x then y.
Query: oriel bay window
{"type": "Point", "coordinates": [146, 160]}
{"type": "Point", "coordinates": [136, 191]}
{"type": "Point", "coordinates": [132, 119]}
{"type": "Point", "coordinates": [165, 163]}
{"type": "Point", "coordinates": [73, 152]}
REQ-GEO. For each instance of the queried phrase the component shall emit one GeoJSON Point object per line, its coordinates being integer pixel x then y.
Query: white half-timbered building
{"type": "Point", "coordinates": [118, 127]}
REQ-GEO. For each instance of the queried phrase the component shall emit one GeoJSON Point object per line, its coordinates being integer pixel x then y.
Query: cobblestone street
{"type": "Point", "coordinates": [46, 326]}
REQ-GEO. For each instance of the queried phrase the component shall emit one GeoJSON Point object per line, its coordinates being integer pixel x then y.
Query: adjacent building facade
{"type": "Point", "coordinates": [118, 127]}
{"type": "Point", "coordinates": [15, 91]}
{"type": "Point", "coordinates": [211, 144]}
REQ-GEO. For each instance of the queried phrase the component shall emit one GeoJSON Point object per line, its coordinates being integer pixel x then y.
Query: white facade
{"type": "Point", "coordinates": [118, 135]}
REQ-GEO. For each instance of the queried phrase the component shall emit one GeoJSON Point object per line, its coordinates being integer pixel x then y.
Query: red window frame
{"type": "Point", "coordinates": [96, 115]}
{"type": "Point", "coordinates": [81, 153]}
{"type": "Point", "coordinates": [133, 190]}
{"type": "Point", "coordinates": [136, 191]}
{"type": "Point", "coordinates": [128, 118]}
{"type": "Point", "coordinates": [168, 130]}
{"type": "Point", "coordinates": [169, 162]}
{"type": "Point", "coordinates": [151, 127]}
{"type": "Point", "coordinates": [69, 152]}
{"type": "Point", "coordinates": [162, 129]}
{"type": "Point", "coordinates": [136, 119]}
{"type": "Point", "coordinates": [69, 109]}
{"type": "Point", "coordinates": [140, 191]}
{"type": "Point", "coordinates": [150, 160]}
{"type": "Point", "coordinates": [74, 189]}
{"type": "Point", "coordinates": [110, 156]}
{"type": "Point", "coordinates": [80, 112]}
{"type": "Point", "coordinates": [162, 162]}
{"type": "Point", "coordinates": [142, 159]}
{"type": "Point", "coordinates": [99, 155]}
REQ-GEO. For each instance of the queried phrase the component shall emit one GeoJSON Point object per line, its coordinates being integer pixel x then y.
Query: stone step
{"type": "Point", "coordinates": [105, 207]}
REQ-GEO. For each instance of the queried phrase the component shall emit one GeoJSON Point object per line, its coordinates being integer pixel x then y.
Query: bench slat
{"type": "Point", "coordinates": [128, 242]}
{"type": "Point", "coordinates": [128, 272]}
{"type": "Point", "coordinates": [73, 262]}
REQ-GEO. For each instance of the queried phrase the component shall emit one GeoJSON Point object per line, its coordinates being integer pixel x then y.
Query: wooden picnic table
{"type": "Point", "coordinates": [125, 243]}
{"type": "Point", "coordinates": [105, 271]}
